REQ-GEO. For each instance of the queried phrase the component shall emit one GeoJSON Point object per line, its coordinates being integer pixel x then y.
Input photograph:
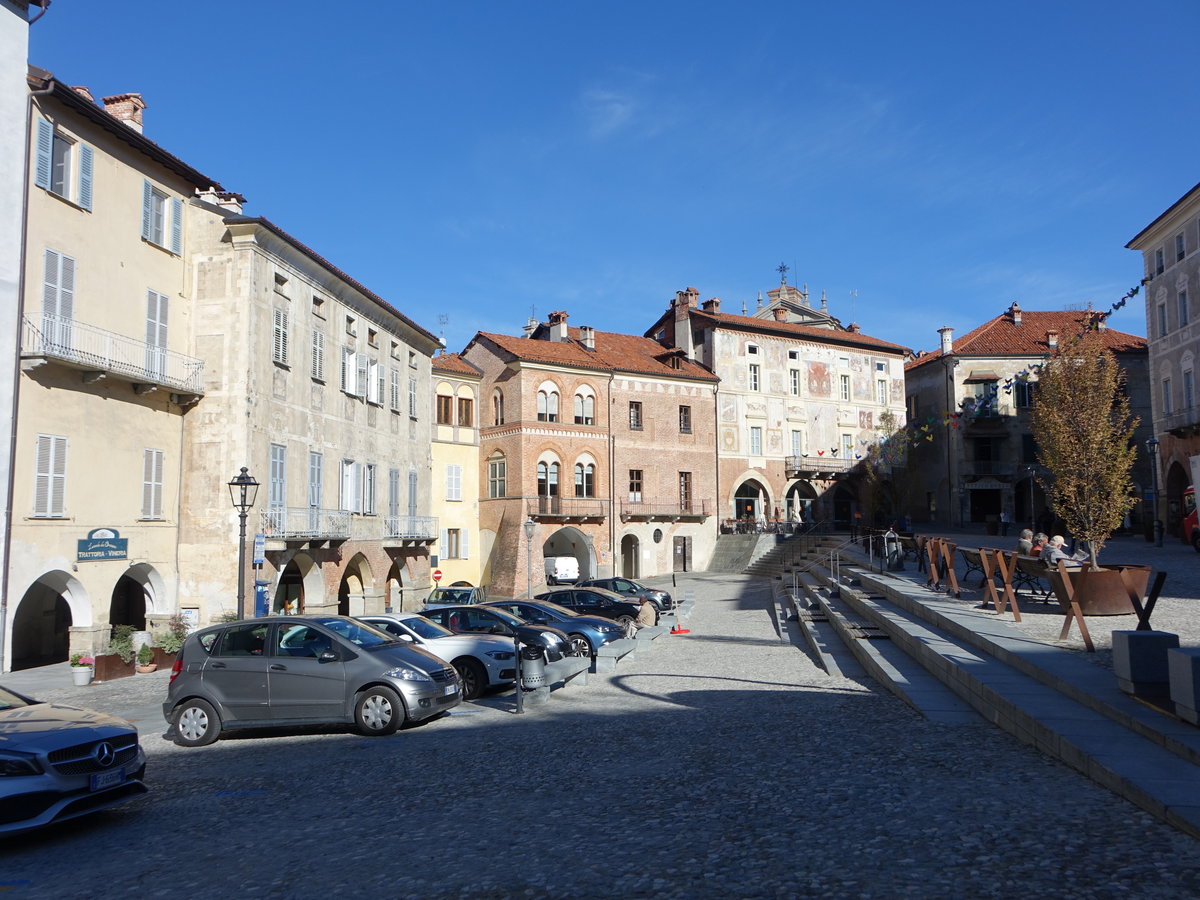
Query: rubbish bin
{"type": "Point", "coordinates": [893, 552]}
{"type": "Point", "coordinates": [533, 668]}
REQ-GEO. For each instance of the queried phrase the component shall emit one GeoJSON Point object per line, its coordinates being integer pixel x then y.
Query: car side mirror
{"type": "Point", "coordinates": [406, 637]}
{"type": "Point", "coordinates": [499, 629]}
{"type": "Point", "coordinates": [329, 656]}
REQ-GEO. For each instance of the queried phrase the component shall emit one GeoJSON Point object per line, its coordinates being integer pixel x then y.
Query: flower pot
{"type": "Point", "coordinates": [82, 675]}
{"type": "Point", "coordinates": [1102, 592]}
{"type": "Point", "coordinates": [146, 669]}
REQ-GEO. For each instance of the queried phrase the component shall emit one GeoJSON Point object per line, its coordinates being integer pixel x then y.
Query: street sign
{"type": "Point", "coordinates": [437, 574]}
{"type": "Point", "coordinates": [260, 549]}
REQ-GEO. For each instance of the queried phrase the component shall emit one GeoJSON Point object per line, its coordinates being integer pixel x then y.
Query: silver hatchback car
{"type": "Point", "coordinates": [302, 670]}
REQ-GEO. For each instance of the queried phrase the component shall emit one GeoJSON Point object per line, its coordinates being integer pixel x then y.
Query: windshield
{"type": "Point", "coordinates": [10, 700]}
{"type": "Point", "coordinates": [425, 628]}
{"type": "Point", "coordinates": [450, 595]}
{"type": "Point", "coordinates": [357, 632]}
{"type": "Point", "coordinates": [506, 617]}
{"type": "Point", "coordinates": [1189, 503]}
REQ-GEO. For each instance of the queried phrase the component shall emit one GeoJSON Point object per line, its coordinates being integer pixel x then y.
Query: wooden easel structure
{"type": "Point", "coordinates": [1075, 614]}
{"type": "Point", "coordinates": [1004, 564]}
{"type": "Point", "coordinates": [941, 565]}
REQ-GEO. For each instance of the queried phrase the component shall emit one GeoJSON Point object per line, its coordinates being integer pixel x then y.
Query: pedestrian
{"type": "Point", "coordinates": [1004, 522]}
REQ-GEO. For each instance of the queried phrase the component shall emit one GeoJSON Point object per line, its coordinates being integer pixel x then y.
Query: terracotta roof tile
{"type": "Point", "coordinates": [1001, 336]}
{"type": "Point", "coordinates": [822, 335]}
{"type": "Point", "coordinates": [453, 362]}
{"type": "Point", "coordinates": [613, 353]}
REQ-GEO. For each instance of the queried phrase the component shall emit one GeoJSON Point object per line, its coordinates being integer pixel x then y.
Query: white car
{"type": "Point", "coordinates": [482, 660]}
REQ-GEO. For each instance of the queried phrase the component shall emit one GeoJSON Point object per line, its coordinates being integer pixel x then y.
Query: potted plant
{"type": "Point", "coordinates": [145, 659]}
{"type": "Point", "coordinates": [82, 668]}
{"type": "Point", "coordinates": [167, 643]}
{"type": "Point", "coordinates": [117, 662]}
{"type": "Point", "coordinates": [1084, 431]}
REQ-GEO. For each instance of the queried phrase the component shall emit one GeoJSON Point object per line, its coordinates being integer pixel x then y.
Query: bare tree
{"type": "Point", "coordinates": [1084, 431]}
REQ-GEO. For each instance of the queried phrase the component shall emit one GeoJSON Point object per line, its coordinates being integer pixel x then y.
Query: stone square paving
{"type": "Point", "coordinates": [723, 763]}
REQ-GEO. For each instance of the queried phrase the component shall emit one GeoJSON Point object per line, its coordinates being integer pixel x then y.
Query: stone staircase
{"type": "Point", "coordinates": [955, 664]}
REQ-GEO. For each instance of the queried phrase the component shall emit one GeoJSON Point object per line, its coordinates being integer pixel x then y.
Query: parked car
{"type": "Point", "coordinates": [302, 670]}
{"type": "Point", "coordinates": [594, 602]}
{"type": "Point", "coordinates": [561, 569]}
{"type": "Point", "coordinates": [478, 619]}
{"type": "Point", "coordinates": [61, 762]}
{"type": "Point", "coordinates": [627, 587]}
{"type": "Point", "coordinates": [456, 595]}
{"type": "Point", "coordinates": [481, 660]}
{"type": "Point", "coordinates": [587, 633]}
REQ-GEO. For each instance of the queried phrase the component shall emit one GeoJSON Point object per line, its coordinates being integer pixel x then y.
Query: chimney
{"type": "Point", "coordinates": [685, 302]}
{"type": "Point", "coordinates": [83, 92]}
{"type": "Point", "coordinates": [1052, 339]}
{"type": "Point", "coordinates": [558, 326]}
{"type": "Point", "coordinates": [854, 329]}
{"type": "Point", "coordinates": [947, 334]}
{"type": "Point", "coordinates": [224, 199]}
{"type": "Point", "coordinates": [712, 306]}
{"type": "Point", "coordinates": [1015, 312]}
{"type": "Point", "coordinates": [587, 336]}
{"type": "Point", "coordinates": [529, 328]}
{"type": "Point", "coordinates": [780, 313]}
{"type": "Point", "coordinates": [126, 107]}
{"type": "Point", "coordinates": [1101, 322]}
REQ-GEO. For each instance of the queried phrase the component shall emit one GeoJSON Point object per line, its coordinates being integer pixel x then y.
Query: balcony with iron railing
{"type": "Point", "coordinates": [814, 465]}
{"type": "Point", "coordinates": [98, 353]}
{"type": "Point", "coordinates": [304, 523]}
{"type": "Point", "coordinates": [663, 510]}
{"type": "Point", "coordinates": [567, 509]}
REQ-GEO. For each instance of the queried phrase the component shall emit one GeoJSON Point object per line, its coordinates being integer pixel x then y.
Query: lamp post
{"type": "Point", "coordinates": [242, 490]}
{"type": "Point", "coordinates": [529, 528]}
{"type": "Point", "coordinates": [1152, 446]}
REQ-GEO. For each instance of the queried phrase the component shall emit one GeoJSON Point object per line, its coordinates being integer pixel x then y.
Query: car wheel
{"type": "Point", "coordinates": [624, 621]}
{"type": "Point", "coordinates": [473, 675]}
{"type": "Point", "coordinates": [580, 646]}
{"type": "Point", "coordinates": [378, 712]}
{"type": "Point", "coordinates": [196, 723]}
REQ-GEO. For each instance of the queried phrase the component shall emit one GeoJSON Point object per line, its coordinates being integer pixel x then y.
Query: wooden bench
{"type": "Point", "coordinates": [1031, 575]}
{"type": "Point", "coordinates": [645, 637]}
{"type": "Point", "coordinates": [561, 672]}
{"type": "Point", "coordinates": [971, 559]}
{"type": "Point", "coordinates": [608, 655]}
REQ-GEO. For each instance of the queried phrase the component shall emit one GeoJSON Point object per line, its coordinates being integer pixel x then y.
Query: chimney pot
{"type": "Point", "coordinates": [947, 334]}
{"type": "Point", "coordinates": [713, 305]}
{"type": "Point", "coordinates": [854, 329]}
{"type": "Point", "coordinates": [126, 107]}
{"type": "Point", "coordinates": [780, 314]}
{"type": "Point", "coordinates": [587, 336]}
{"type": "Point", "coordinates": [1052, 339]}
{"type": "Point", "coordinates": [83, 91]}
{"type": "Point", "coordinates": [558, 325]}
{"type": "Point", "coordinates": [1015, 311]}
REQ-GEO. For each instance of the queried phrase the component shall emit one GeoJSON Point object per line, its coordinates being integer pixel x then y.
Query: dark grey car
{"type": "Point", "coordinates": [302, 670]}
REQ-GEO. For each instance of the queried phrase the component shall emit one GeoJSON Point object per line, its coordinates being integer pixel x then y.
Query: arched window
{"type": "Point", "coordinates": [497, 407]}
{"type": "Point", "coordinates": [585, 407]}
{"type": "Point", "coordinates": [497, 476]}
{"type": "Point", "coordinates": [585, 480]}
{"type": "Point", "coordinates": [547, 402]}
{"type": "Point", "coordinates": [548, 501]}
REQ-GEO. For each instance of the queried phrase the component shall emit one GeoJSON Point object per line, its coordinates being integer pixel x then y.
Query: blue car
{"type": "Point", "coordinates": [587, 633]}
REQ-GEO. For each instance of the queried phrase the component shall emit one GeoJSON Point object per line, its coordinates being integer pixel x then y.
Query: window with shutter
{"type": "Point", "coordinates": [412, 493]}
{"type": "Point", "coordinates": [361, 367]}
{"type": "Point", "coordinates": [156, 334]}
{"type": "Point", "coordinates": [368, 489]}
{"type": "Point", "coordinates": [453, 482]}
{"type": "Point", "coordinates": [279, 345]}
{"type": "Point", "coordinates": [412, 397]}
{"type": "Point", "coordinates": [395, 392]}
{"type": "Point", "coordinates": [374, 383]}
{"type": "Point", "coordinates": [393, 492]}
{"type": "Point", "coordinates": [277, 489]}
{"type": "Point", "coordinates": [349, 372]}
{"type": "Point", "coordinates": [50, 477]}
{"type": "Point", "coordinates": [58, 300]}
{"type": "Point", "coordinates": [152, 484]}
{"type": "Point", "coordinates": [316, 464]}
{"type": "Point", "coordinates": [318, 356]}
{"type": "Point", "coordinates": [86, 167]}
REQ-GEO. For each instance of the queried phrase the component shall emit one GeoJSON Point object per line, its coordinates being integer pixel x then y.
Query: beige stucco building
{"type": "Point", "coordinates": [455, 496]}
{"type": "Point", "coordinates": [801, 400]}
{"type": "Point", "coordinates": [108, 376]}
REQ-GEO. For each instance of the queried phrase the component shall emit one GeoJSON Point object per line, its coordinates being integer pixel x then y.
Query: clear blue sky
{"type": "Point", "coordinates": [479, 159]}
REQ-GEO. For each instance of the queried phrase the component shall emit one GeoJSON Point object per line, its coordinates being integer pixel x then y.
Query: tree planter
{"type": "Point", "coordinates": [1107, 591]}
{"type": "Point", "coordinates": [147, 669]}
{"type": "Point", "coordinates": [162, 659]}
{"type": "Point", "coordinates": [111, 666]}
{"type": "Point", "coordinates": [81, 675]}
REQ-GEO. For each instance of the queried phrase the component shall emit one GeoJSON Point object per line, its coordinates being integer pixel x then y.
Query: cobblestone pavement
{"type": "Point", "coordinates": [721, 764]}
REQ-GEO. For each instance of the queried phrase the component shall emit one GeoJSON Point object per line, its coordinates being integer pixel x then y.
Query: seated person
{"type": "Point", "coordinates": [1025, 542]}
{"type": "Point", "coordinates": [1053, 552]}
{"type": "Point", "coordinates": [1039, 541]}
{"type": "Point", "coordinates": [647, 615]}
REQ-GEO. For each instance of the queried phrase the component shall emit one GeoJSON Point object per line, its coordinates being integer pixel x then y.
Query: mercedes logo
{"type": "Point", "coordinates": [105, 754]}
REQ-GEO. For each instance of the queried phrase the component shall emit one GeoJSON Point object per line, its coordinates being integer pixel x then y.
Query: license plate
{"type": "Point", "coordinates": [450, 689]}
{"type": "Point", "coordinates": [102, 780]}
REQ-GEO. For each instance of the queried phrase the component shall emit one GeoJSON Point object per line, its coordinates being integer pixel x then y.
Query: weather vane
{"type": "Point", "coordinates": [782, 270]}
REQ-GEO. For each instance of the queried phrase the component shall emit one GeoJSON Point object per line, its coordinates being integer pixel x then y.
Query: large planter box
{"type": "Point", "coordinates": [162, 659]}
{"type": "Point", "coordinates": [110, 666]}
{"type": "Point", "coordinates": [1101, 592]}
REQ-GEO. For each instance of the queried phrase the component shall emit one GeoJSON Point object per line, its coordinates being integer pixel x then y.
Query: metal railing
{"type": "Point", "coordinates": [566, 508]}
{"type": "Point", "coordinates": [410, 528]}
{"type": "Point", "coordinates": [663, 509]}
{"type": "Point", "coordinates": [303, 522]}
{"type": "Point", "coordinates": [87, 347]}
{"type": "Point", "coordinates": [816, 464]}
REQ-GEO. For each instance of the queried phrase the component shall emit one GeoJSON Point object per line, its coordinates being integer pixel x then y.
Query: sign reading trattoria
{"type": "Point", "coordinates": [102, 544]}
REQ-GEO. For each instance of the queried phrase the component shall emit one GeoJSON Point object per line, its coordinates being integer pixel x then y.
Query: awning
{"type": "Point", "coordinates": [977, 376]}
{"type": "Point", "coordinates": [985, 484]}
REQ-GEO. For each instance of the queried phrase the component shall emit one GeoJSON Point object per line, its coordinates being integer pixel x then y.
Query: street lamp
{"type": "Point", "coordinates": [242, 490]}
{"type": "Point", "coordinates": [530, 528]}
{"type": "Point", "coordinates": [1152, 446]}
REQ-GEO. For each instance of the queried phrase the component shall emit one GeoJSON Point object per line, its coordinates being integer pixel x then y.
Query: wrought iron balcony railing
{"type": "Point", "coordinates": [816, 464]}
{"type": "Point", "coordinates": [410, 528]}
{"type": "Point", "coordinates": [566, 508]}
{"type": "Point", "coordinates": [659, 509]}
{"type": "Point", "coordinates": [93, 349]}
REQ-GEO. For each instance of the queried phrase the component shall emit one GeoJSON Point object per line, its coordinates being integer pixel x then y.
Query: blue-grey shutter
{"type": "Point", "coordinates": [462, 550]}
{"type": "Point", "coordinates": [85, 176]}
{"type": "Point", "coordinates": [45, 148]}
{"type": "Point", "coordinates": [147, 213]}
{"type": "Point", "coordinates": [412, 493]}
{"type": "Point", "coordinates": [176, 226]}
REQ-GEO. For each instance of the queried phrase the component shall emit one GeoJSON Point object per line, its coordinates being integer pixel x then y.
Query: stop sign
{"type": "Point", "coordinates": [437, 574]}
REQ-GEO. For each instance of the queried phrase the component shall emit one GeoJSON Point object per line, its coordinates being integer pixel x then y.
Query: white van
{"type": "Point", "coordinates": [562, 570]}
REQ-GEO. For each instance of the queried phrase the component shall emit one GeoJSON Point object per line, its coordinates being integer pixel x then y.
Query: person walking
{"type": "Point", "coordinates": [1004, 523]}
